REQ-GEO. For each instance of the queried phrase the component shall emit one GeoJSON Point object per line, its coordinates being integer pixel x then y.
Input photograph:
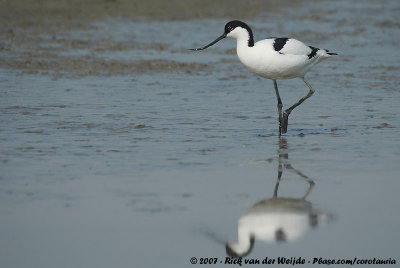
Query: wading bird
{"type": "Point", "coordinates": [274, 58]}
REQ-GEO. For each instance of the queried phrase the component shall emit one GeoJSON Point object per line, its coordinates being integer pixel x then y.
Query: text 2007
{"type": "Point", "coordinates": [208, 260]}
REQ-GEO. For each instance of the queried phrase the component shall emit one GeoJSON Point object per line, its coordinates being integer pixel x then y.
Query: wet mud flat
{"type": "Point", "coordinates": [116, 142]}
{"type": "Point", "coordinates": [60, 38]}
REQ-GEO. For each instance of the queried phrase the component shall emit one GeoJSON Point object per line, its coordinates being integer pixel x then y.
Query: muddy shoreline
{"type": "Point", "coordinates": [33, 12]}
{"type": "Point", "coordinates": [35, 34]}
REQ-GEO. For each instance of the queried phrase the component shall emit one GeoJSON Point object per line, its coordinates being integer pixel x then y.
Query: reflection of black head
{"type": "Point", "coordinates": [280, 235]}
{"type": "Point", "coordinates": [313, 217]}
{"type": "Point", "coordinates": [230, 252]}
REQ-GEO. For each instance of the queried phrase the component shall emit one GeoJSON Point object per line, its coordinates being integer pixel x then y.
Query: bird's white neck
{"type": "Point", "coordinates": [243, 36]}
{"type": "Point", "coordinates": [242, 43]}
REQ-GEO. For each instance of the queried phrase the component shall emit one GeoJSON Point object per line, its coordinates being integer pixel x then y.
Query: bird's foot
{"type": "Point", "coordinates": [280, 125]}
{"type": "Point", "coordinates": [284, 124]}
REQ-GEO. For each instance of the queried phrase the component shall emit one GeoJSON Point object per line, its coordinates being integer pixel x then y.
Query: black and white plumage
{"type": "Point", "coordinates": [274, 58]}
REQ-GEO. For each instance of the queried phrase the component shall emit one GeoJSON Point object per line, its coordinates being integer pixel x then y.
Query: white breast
{"type": "Point", "coordinates": [291, 62]}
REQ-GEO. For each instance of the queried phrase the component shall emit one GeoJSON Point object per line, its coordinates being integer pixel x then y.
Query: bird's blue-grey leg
{"type": "Point", "coordinates": [279, 106]}
{"type": "Point", "coordinates": [287, 112]}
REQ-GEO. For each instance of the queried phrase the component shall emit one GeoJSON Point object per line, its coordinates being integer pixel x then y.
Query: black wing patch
{"type": "Point", "coordinates": [313, 52]}
{"type": "Point", "coordinates": [279, 43]}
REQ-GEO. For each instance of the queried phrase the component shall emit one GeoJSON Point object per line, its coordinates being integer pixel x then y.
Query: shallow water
{"type": "Point", "coordinates": [149, 169]}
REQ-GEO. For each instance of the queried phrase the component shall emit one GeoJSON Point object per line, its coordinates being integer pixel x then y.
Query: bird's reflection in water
{"type": "Point", "coordinates": [278, 219]}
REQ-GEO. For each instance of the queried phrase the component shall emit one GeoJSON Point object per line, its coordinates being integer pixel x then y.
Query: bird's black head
{"type": "Point", "coordinates": [232, 25]}
{"type": "Point", "coordinates": [229, 27]}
